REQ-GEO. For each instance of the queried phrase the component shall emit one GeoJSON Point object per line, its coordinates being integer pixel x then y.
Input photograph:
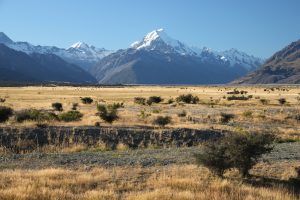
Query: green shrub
{"type": "Point", "coordinates": [226, 117]}
{"type": "Point", "coordinates": [74, 106]}
{"type": "Point", "coordinates": [240, 151]}
{"type": "Point", "coordinates": [140, 100]}
{"type": "Point", "coordinates": [5, 113]}
{"type": "Point", "coordinates": [214, 157]}
{"type": "Point", "coordinates": [264, 101]}
{"type": "Point", "coordinates": [57, 106]}
{"type": "Point", "coordinates": [162, 121]}
{"type": "Point", "coordinates": [144, 115]}
{"type": "Point", "coordinates": [86, 100]}
{"type": "Point", "coordinates": [154, 99]}
{"type": "Point", "coordinates": [189, 98]}
{"type": "Point", "coordinates": [240, 98]}
{"type": "Point", "coordinates": [35, 115]}
{"type": "Point", "coordinates": [170, 101]}
{"type": "Point", "coordinates": [282, 101]}
{"type": "Point", "coordinates": [70, 116]}
{"type": "Point", "coordinates": [116, 105]}
{"type": "Point", "coordinates": [108, 113]}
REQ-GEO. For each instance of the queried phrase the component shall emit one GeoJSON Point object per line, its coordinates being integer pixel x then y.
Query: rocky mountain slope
{"type": "Point", "coordinates": [282, 68]}
{"type": "Point", "coordinates": [159, 59]}
{"type": "Point", "coordinates": [16, 66]}
{"type": "Point", "coordinates": [79, 53]}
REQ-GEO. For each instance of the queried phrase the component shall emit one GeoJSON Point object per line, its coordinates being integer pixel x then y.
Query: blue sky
{"type": "Point", "coordinates": [258, 27]}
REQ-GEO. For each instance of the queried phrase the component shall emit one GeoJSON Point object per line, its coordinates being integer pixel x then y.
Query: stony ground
{"type": "Point", "coordinates": [285, 153]}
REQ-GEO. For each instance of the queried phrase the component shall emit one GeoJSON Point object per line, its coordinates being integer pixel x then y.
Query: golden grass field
{"type": "Point", "coordinates": [186, 182]}
{"type": "Point", "coordinates": [182, 182]}
{"type": "Point", "coordinates": [202, 115]}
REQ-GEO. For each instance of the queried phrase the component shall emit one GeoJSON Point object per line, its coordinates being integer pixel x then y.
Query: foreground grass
{"type": "Point", "coordinates": [171, 182]}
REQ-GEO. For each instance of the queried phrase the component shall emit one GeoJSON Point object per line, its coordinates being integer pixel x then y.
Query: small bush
{"type": "Point", "coordinates": [140, 100]}
{"type": "Point", "coordinates": [240, 151]}
{"type": "Point", "coordinates": [144, 115]}
{"type": "Point", "coordinates": [235, 91]}
{"type": "Point", "coordinates": [226, 117]}
{"type": "Point", "coordinates": [35, 115]}
{"type": "Point", "coordinates": [182, 114]}
{"type": "Point", "coordinates": [97, 124]}
{"type": "Point", "coordinates": [240, 98]}
{"type": "Point", "coordinates": [2, 100]}
{"type": "Point", "coordinates": [70, 116]}
{"type": "Point", "coordinates": [282, 101]}
{"type": "Point", "coordinates": [57, 106]}
{"type": "Point", "coordinates": [86, 100]}
{"type": "Point", "coordinates": [162, 121]}
{"type": "Point", "coordinates": [154, 99]}
{"type": "Point", "coordinates": [264, 101]}
{"type": "Point", "coordinates": [74, 106]}
{"type": "Point", "coordinates": [170, 101]}
{"type": "Point", "coordinates": [116, 105]}
{"type": "Point", "coordinates": [189, 98]}
{"type": "Point", "coordinates": [5, 113]}
{"type": "Point", "coordinates": [108, 113]}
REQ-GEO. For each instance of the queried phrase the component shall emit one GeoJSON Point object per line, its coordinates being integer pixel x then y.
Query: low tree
{"type": "Point", "coordinates": [282, 101]}
{"type": "Point", "coordinates": [70, 116]}
{"type": "Point", "coordinates": [154, 99]}
{"type": "Point", "coordinates": [5, 113]}
{"type": "Point", "coordinates": [35, 115]}
{"type": "Point", "coordinates": [140, 100]}
{"type": "Point", "coordinates": [240, 151]}
{"type": "Point", "coordinates": [188, 98]}
{"type": "Point", "coordinates": [57, 106]}
{"type": "Point", "coordinates": [74, 106]}
{"type": "Point", "coordinates": [162, 121]}
{"type": "Point", "coordinates": [86, 100]}
{"type": "Point", "coordinates": [214, 157]}
{"type": "Point", "coordinates": [108, 113]}
{"type": "Point", "coordinates": [226, 117]}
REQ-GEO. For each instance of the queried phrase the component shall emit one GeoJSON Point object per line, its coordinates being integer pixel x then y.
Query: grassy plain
{"type": "Point", "coordinates": [180, 180]}
{"type": "Point", "coordinates": [249, 114]}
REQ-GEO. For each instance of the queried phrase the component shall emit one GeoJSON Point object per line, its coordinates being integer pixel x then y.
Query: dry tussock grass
{"type": "Point", "coordinates": [42, 98]}
{"type": "Point", "coordinates": [173, 182]}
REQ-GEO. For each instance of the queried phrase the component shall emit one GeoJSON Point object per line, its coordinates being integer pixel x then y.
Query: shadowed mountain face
{"type": "Point", "coordinates": [159, 59]}
{"type": "Point", "coordinates": [133, 66]}
{"type": "Point", "coordinates": [20, 67]}
{"type": "Point", "coordinates": [282, 68]}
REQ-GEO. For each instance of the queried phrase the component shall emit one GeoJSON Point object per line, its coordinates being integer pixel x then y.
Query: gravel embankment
{"type": "Point", "coordinates": [286, 152]}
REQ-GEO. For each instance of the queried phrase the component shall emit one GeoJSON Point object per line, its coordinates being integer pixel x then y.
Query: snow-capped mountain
{"type": "Point", "coordinates": [83, 51]}
{"type": "Point", "coordinates": [238, 58]}
{"type": "Point", "coordinates": [159, 40]}
{"type": "Point", "coordinates": [159, 59]}
{"type": "Point", "coordinates": [79, 53]}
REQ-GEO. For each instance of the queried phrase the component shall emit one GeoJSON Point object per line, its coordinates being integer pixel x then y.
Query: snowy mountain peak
{"type": "Point", "coordinates": [4, 39]}
{"type": "Point", "coordinates": [159, 40]}
{"type": "Point", "coordinates": [79, 45]}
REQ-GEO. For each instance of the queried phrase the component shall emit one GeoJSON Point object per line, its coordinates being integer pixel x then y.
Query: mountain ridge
{"type": "Point", "coordinates": [282, 68]}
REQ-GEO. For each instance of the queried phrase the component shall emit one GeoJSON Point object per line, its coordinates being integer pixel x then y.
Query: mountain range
{"type": "Point", "coordinates": [17, 66]}
{"type": "Point", "coordinates": [156, 59]}
{"type": "Point", "coordinates": [282, 68]}
{"type": "Point", "coordinates": [159, 59]}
